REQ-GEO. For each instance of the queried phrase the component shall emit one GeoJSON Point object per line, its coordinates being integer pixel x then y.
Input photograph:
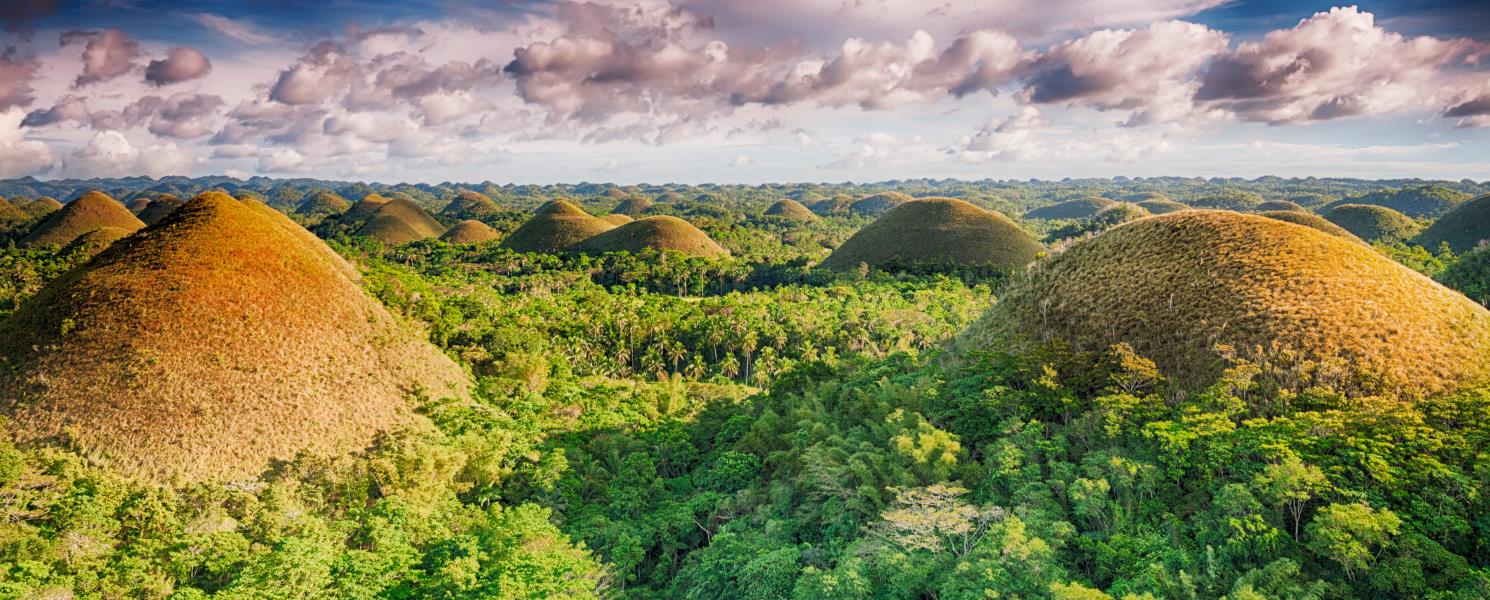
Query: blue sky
{"type": "Point", "coordinates": [724, 91]}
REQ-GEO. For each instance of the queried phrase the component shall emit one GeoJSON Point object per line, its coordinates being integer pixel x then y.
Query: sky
{"type": "Point", "coordinates": [729, 91]}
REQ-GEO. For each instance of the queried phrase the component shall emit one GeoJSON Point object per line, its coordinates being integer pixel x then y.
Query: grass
{"type": "Point", "coordinates": [878, 204]}
{"type": "Point", "coordinates": [1080, 208]}
{"type": "Point", "coordinates": [1374, 223]}
{"type": "Point", "coordinates": [555, 227]}
{"type": "Point", "coordinates": [95, 241]}
{"type": "Point", "coordinates": [617, 219]}
{"type": "Point", "coordinates": [400, 221]}
{"type": "Point", "coordinates": [470, 232]}
{"type": "Point", "coordinates": [11, 216]}
{"type": "Point", "coordinates": [159, 208]}
{"type": "Point", "coordinates": [1309, 219]}
{"type": "Point", "coordinates": [632, 206]}
{"type": "Point", "coordinates": [1462, 229]}
{"type": "Point", "coordinates": [791, 210]}
{"type": "Point", "coordinates": [90, 211]}
{"type": "Point", "coordinates": [1120, 213]}
{"type": "Point", "coordinates": [659, 233]}
{"type": "Point", "coordinates": [1185, 289]}
{"type": "Point", "coordinates": [42, 207]}
{"type": "Point", "coordinates": [937, 231]}
{"type": "Point", "coordinates": [207, 346]}
{"type": "Point", "coordinates": [1162, 206]}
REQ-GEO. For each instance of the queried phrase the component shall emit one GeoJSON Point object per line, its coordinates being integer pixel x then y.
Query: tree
{"type": "Point", "coordinates": [1352, 535]}
{"type": "Point", "coordinates": [934, 519]}
{"type": "Point", "coordinates": [1291, 484]}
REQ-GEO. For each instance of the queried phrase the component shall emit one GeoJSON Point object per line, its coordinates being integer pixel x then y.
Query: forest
{"type": "Point", "coordinates": [653, 424]}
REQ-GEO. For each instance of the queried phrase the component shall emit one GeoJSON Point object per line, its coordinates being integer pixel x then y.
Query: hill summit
{"type": "Point", "coordinates": [400, 221]}
{"type": "Point", "coordinates": [1184, 289]}
{"type": "Point", "coordinates": [791, 210]}
{"type": "Point", "coordinates": [555, 227]}
{"type": "Point", "coordinates": [90, 211]}
{"type": "Point", "coordinates": [208, 345]}
{"type": "Point", "coordinates": [470, 232]}
{"type": "Point", "coordinates": [658, 233]}
{"type": "Point", "coordinates": [937, 231]}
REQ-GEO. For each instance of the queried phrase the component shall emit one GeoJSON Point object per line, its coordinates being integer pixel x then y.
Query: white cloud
{"type": "Point", "coordinates": [18, 155]}
{"type": "Point", "coordinates": [111, 154]}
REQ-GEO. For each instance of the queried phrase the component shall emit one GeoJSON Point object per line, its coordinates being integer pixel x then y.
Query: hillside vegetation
{"type": "Point", "coordinates": [1374, 223]}
{"type": "Point", "coordinates": [1462, 229]}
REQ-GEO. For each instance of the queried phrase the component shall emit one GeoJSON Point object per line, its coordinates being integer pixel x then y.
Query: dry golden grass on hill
{"type": "Point", "coordinates": [1309, 219]}
{"type": "Point", "coordinates": [207, 346]}
{"type": "Point", "coordinates": [791, 210]}
{"type": "Point", "coordinates": [555, 227]}
{"type": "Point", "coordinates": [91, 211]}
{"type": "Point", "coordinates": [937, 231]}
{"type": "Point", "coordinates": [1462, 228]}
{"type": "Point", "coordinates": [400, 221]}
{"type": "Point", "coordinates": [1320, 309]}
{"type": "Point", "coordinates": [658, 233]}
{"type": "Point", "coordinates": [617, 219]}
{"type": "Point", "coordinates": [470, 232]}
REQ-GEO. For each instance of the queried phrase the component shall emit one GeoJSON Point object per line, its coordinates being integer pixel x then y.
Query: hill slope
{"type": "Point", "coordinates": [1320, 309]}
{"type": "Point", "coordinates": [1374, 223]}
{"type": "Point", "coordinates": [470, 232]}
{"type": "Point", "coordinates": [1462, 229]}
{"type": "Point", "coordinates": [91, 211]}
{"type": "Point", "coordinates": [878, 204]}
{"type": "Point", "coordinates": [159, 209]}
{"type": "Point", "coordinates": [1309, 219]}
{"type": "Point", "coordinates": [208, 345]}
{"type": "Point", "coordinates": [1416, 202]}
{"type": "Point", "coordinates": [659, 233]}
{"type": "Point", "coordinates": [1162, 206]}
{"type": "Point", "coordinates": [791, 210]}
{"type": "Point", "coordinates": [937, 231]}
{"type": "Point", "coordinates": [555, 227]}
{"type": "Point", "coordinates": [42, 207]}
{"type": "Point", "coordinates": [400, 221]}
{"type": "Point", "coordinates": [1080, 208]}
{"type": "Point", "coordinates": [470, 205]}
{"type": "Point", "coordinates": [632, 206]}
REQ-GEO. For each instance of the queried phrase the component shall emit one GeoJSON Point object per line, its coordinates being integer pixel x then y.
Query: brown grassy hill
{"type": "Point", "coordinates": [659, 233]}
{"type": "Point", "coordinates": [1080, 208]}
{"type": "Point", "coordinates": [11, 216]}
{"type": "Point", "coordinates": [362, 210]}
{"type": "Point", "coordinates": [1276, 205]}
{"type": "Point", "coordinates": [1374, 223]}
{"type": "Point", "coordinates": [1462, 229]}
{"type": "Point", "coordinates": [138, 205]}
{"type": "Point", "coordinates": [400, 221]}
{"type": "Point", "coordinates": [836, 205]}
{"type": "Point", "coordinates": [617, 219]}
{"type": "Point", "coordinates": [470, 205]}
{"type": "Point", "coordinates": [555, 227]}
{"type": "Point", "coordinates": [1309, 219]}
{"type": "Point", "coordinates": [934, 231]}
{"type": "Point", "coordinates": [42, 207]}
{"type": "Point", "coordinates": [790, 210]}
{"type": "Point", "coordinates": [632, 206]}
{"type": "Point", "coordinates": [209, 345]}
{"type": "Point", "coordinates": [1162, 206]}
{"type": "Point", "coordinates": [1317, 308]}
{"type": "Point", "coordinates": [878, 204]}
{"type": "Point", "coordinates": [91, 211]}
{"type": "Point", "coordinates": [322, 203]}
{"type": "Point", "coordinates": [159, 209]}
{"type": "Point", "coordinates": [95, 241]}
{"type": "Point", "coordinates": [470, 232]}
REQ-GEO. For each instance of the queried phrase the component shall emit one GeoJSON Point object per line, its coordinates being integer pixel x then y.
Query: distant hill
{"type": "Point", "coordinates": [555, 227]}
{"type": "Point", "coordinates": [790, 210]}
{"type": "Point", "coordinates": [322, 203]}
{"type": "Point", "coordinates": [42, 207]}
{"type": "Point", "coordinates": [468, 205]}
{"type": "Point", "coordinates": [400, 221]}
{"type": "Point", "coordinates": [219, 340]}
{"type": "Point", "coordinates": [661, 232]}
{"type": "Point", "coordinates": [1462, 229]}
{"type": "Point", "coordinates": [878, 204]}
{"type": "Point", "coordinates": [1277, 205]}
{"type": "Point", "coordinates": [1374, 223]}
{"type": "Point", "coordinates": [160, 208]}
{"type": "Point", "coordinates": [1309, 219]}
{"type": "Point", "coordinates": [1316, 307]}
{"type": "Point", "coordinates": [937, 231]}
{"type": "Point", "coordinates": [632, 206]}
{"type": "Point", "coordinates": [617, 219]}
{"type": "Point", "coordinates": [1081, 208]}
{"type": "Point", "coordinates": [1415, 201]}
{"type": "Point", "coordinates": [470, 232]}
{"type": "Point", "coordinates": [1162, 207]}
{"type": "Point", "coordinates": [89, 212]}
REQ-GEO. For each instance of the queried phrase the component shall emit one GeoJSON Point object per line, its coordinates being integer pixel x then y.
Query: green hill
{"type": "Point", "coordinates": [322, 203]}
{"type": "Point", "coordinates": [1081, 208]}
{"type": "Point", "coordinates": [1119, 213]}
{"type": "Point", "coordinates": [160, 208]}
{"type": "Point", "coordinates": [555, 227]}
{"type": "Point", "coordinates": [400, 221]}
{"type": "Point", "coordinates": [1185, 288]}
{"type": "Point", "coordinates": [659, 233]}
{"type": "Point", "coordinates": [209, 345]}
{"type": "Point", "coordinates": [632, 206]}
{"type": "Point", "coordinates": [1277, 205]}
{"type": "Point", "coordinates": [90, 211]}
{"type": "Point", "coordinates": [1374, 223]}
{"type": "Point", "coordinates": [836, 205]}
{"type": "Point", "coordinates": [468, 205]}
{"type": "Point", "coordinates": [1309, 219]}
{"type": "Point", "coordinates": [1462, 229]}
{"type": "Point", "coordinates": [878, 204]}
{"type": "Point", "coordinates": [937, 231]}
{"type": "Point", "coordinates": [790, 210]}
{"type": "Point", "coordinates": [362, 211]}
{"type": "Point", "coordinates": [11, 216]}
{"type": "Point", "coordinates": [470, 232]}
{"type": "Point", "coordinates": [1417, 202]}
{"type": "Point", "coordinates": [1162, 207]}
{"type": "Point", "coordinates": [42, 207]}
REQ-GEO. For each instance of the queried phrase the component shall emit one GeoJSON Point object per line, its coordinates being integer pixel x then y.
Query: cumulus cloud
{"type": "Point", "coordinates": [108, 54]}
{"type": "Point", "coordinates": [182, 115]}
{"type": "Point", "coordinates": [1334, 64]}
{"type": "Point", "coordinates": [69, 108]}
{"type": "Point", "coordinates": [1150, 71]}
{"type": "Point", "coordinates": [180, 64]}
{"type": "Point", "coordinates": [18, 155]}
{"type": "Point", "coordinates": [324, 72]}
{"type": "Point", "coordinates": [111, 154]}
{"type": "Point", "coordinates": [16, 73]}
